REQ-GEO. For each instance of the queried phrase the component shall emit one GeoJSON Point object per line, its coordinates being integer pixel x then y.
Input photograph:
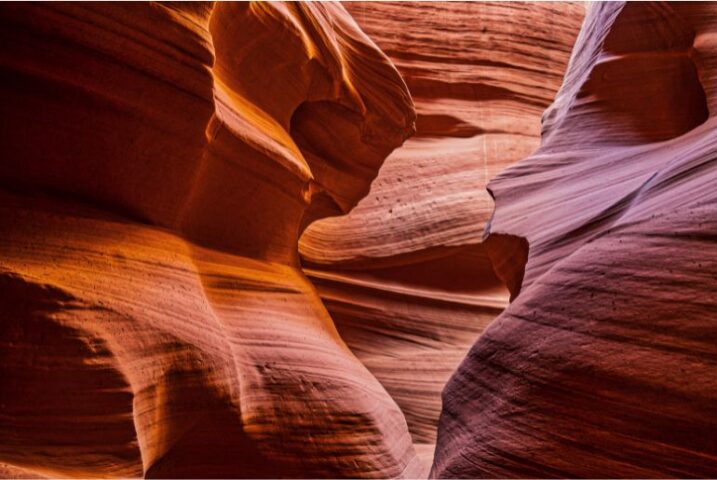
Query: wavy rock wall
{"type": "Point", "coordinates": [405, 275]}
{"type": "Point", "coordinates": [159, 164]}
{"type": "Point", "coordinates": [605, 363]}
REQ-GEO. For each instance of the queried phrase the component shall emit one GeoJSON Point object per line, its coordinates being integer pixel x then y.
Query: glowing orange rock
{"type": "Point", "coordinates": [159, 165]}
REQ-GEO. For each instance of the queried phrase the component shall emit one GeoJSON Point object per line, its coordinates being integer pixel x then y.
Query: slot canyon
{"type": "Point", "coordinates": [358, 240]}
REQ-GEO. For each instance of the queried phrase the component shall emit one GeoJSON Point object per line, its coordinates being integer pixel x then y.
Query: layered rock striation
{"type": "Point", "coordinates": [199, 276]}
{"type": "Point", "coordinates": [604, 364]}
{"type": "Point", "coordinates": [159, 164]}
{"type": "Point", "coordinates": [405, 274]}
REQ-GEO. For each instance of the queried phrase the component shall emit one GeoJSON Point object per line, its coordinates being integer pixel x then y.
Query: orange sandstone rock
{"type": "Point", "coordinates": [405, 274]}
{"type": "Point", "coordinates": [159, 164]}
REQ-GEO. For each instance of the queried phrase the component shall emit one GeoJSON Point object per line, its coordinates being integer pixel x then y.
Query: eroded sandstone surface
{"type": "Point", "coordinates": [159, 163]}
{"type": "Point", "coordinates": [256, 240]}
{"type": "Point", "coordinates": [405, 274]}
{"type": "Point", "coordinates": [605, 365]}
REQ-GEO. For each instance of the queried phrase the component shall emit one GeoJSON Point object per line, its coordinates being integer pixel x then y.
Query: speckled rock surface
{"type": "Point", "coordinates": [605, 363]}
{"type": "Point", "coordinates": [405, 274]}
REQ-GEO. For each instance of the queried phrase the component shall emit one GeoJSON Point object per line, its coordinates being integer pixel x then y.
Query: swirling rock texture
{"type": "Point", "coordinates": [163, 164]}
{"type": "Point", "coordinates": [159, 164]}
{"type": "Point", "coordinates": [605, 364]}
{"type": "Point", "coordinates": [405, 275]}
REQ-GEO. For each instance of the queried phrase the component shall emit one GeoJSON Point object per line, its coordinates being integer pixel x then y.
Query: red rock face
{"type": "Point", "coordinates": [214, 264]}
{"type": "Point", "coordinates": [405, 274]}
{"type": "Point", "coordinates": [159, 163]}
{"type": "Point", "coordinates": [604, 365]}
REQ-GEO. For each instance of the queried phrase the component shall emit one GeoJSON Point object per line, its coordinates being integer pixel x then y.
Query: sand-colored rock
{"type": "Point", "coordinates": [405, 274]}
{"type": "Point", "coordinates": [605, 363]}
{"type": "Point", "coordinates": [159, 163]}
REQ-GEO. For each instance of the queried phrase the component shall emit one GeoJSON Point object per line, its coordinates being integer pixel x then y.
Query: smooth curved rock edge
{"type": "Point", "coordinates": [605, 363]}
{"type": "Point", "coordinates": [159, 164]}
{"type": "Point", "coordinates": [405, 275]}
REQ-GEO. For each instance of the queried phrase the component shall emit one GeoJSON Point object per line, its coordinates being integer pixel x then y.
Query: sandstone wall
{"type": "Point", "coordinates": [604, 364]}
{"type": "Point", "coordinates": [159, 164]}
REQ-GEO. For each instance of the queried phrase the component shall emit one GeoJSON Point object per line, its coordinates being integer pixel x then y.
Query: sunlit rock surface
{"type": "Point", "coordinates": [605, 365]}
{"type": "Point", "coordinates": [404, 275]}
{"type": "Point", "coordinates": [200, 277]}
{"type": "Point", "coordinates": [159, 163]}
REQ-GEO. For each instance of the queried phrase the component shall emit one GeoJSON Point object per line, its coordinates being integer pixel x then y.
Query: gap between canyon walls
{"type": "Point", "coordinates": [406, 275]}
{"type": "Point", "coordinates": [163, 162]}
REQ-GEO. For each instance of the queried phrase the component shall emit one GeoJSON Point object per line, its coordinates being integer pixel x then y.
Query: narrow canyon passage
{"type": "Point", "coordinates": [405, 274]}
{"type": "Point", "coordinates": [358, 240]}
